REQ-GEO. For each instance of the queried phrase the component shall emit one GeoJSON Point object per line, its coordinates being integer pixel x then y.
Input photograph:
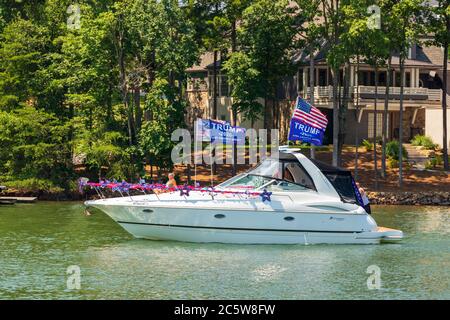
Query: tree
{"type": "Point", "coordinates": [309, 38]}
{"type": "Point", "coordinates": [233, 12]}
{"type": "Point", "coordinates": [440, 28]}
{"type": "Point", "coordinates": [388, 28]}
{"type": "Point", "coordinates": [331, 30]}
{"type": "Point", "coordinates": [266, 36]}
{"type": "Point", "coordinates": [369, 43]}
{"type": "Point", "coordinates": [245, 81]}
{"type": "Point", "coordinates": [215, 41]}
{"type": "Point", "coordinates": [22, 51]}
{"type": "Point", "coordinates": [34, 147]}
{"type": "Point", "coordinates": [167, 115]}
{"type": "Point", "coordinates": [407, 15]}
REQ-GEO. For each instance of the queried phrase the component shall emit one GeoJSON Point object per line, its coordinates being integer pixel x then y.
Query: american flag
{"type": "Point", "coordinates": [309, 114]}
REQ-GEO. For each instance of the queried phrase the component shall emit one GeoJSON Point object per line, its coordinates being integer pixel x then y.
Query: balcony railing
{"type": "Point", "coordinates": [325, 93]}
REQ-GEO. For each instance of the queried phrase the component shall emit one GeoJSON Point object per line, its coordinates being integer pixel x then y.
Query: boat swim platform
{"type": "Point", "coordinates": [390, 235]}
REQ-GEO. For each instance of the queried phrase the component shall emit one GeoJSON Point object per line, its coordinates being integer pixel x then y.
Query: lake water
{"type": "Point", "coordinates": [38, 242]}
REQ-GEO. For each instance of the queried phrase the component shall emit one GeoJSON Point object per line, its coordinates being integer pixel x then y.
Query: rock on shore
{"type": "Point", "coordinates": [410, 198]}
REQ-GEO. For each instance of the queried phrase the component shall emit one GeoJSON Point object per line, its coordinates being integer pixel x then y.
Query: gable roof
{"type": "Point", "coordinates": [205, 59]}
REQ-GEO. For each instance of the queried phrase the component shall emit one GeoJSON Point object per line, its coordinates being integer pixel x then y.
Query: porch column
{"type": "Point", "coordinates": [352, 76]}
{"type": "Point", "coordinates": [305, 81]}
{"type": "Point", "coordinates": [414, 78]}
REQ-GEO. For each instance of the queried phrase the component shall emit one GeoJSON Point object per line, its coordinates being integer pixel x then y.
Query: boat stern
{"type": "Point", "coordinates": [390, 235]}
{"type": "Point", "coordinates": [382, 234]}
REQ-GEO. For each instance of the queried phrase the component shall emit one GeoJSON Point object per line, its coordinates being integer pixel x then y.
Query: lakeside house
{"type": "Point", "coordinates": [422, 95]}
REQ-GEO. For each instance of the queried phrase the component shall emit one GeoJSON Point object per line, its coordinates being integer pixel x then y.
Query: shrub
{"type": "Point", "coordinates": [379, 140]}
{"type": "Point", "coordinates": [433, 162]}
{"type": "Point", "coordinates": [392, 163]}
{"type": "Point", "coordinates": [367, 144]}
{"type": "Point", "coordinates": [423, 141]}
{"type": "Point", "coordinates": [428, 165]}
{"type": "Point", "coordinates": [33, 185]}
{"type": "Point", "coordinates": [439, 160]}
{"type": "Point", "coordinates": [392, 150]}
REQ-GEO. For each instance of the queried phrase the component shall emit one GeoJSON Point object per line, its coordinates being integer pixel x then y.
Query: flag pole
{"type": "Point", "coordinates": [211, 172]}
{"type": "Point", "coordinates": [289, 131]}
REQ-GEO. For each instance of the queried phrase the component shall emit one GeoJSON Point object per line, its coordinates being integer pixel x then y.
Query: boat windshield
{"type": "Point", "coordinates": [273, 175]}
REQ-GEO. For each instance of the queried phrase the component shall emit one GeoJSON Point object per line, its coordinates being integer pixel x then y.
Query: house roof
{"type": "Point", "coordinates": [426, 56]}
{"type": "Point", "coordinates": [205, 60]}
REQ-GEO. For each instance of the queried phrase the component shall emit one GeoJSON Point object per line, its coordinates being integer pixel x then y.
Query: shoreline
{"type": "Point", "coordinates": [427, 198]}
{"type": "Point", "coordinates": [433, 198]}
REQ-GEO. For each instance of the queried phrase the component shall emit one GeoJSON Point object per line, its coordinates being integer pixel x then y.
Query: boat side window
{"type": "Point", "coordinates": [294, 172]}
{"type": "Point", "coordinates": [274, 174]}
{"type": "Point", "coordinates": [282, 185]}
{"type": "Point", "coordinates": [269, 168]}
{"type": "Point", "coordinates": [250, 181]}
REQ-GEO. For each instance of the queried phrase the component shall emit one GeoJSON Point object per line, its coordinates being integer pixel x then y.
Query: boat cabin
{"type": "Point", "coordinates": [287, 174]}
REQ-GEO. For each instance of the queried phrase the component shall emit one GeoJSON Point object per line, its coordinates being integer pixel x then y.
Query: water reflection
{"type": "Point", "coordinates": [40, 241]}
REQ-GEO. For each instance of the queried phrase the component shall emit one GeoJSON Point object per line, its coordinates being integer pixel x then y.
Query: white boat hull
{"type": "Point", "coordinates": [252, 223]}
{"type": "Point", "coordinates": [243, 236]}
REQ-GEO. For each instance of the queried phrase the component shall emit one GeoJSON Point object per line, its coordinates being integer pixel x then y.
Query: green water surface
{"type": "Point", "coordinates": [38, 242]}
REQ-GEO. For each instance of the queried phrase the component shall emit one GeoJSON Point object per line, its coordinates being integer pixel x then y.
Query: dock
{"type": "Point", "coordinates": [7, 201]}
{"type": "Point", "coordinates": [12, 200]}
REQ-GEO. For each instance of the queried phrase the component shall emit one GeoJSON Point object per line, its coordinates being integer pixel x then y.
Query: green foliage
{"type": "Point", "coordinates": [33, 185]}
{"type": "Point", "coordinates": [392, 150]}
{"type": "Point", "coordinates": [434, 161]}
{"type": "Point", "coordinates": [245, 81]}
{"type": "Point", "coordinates": [33, 144]}
{"type": "Point", "coordinates": [367, 144]}
{"type": "Point", "coordinates": [423, 141]}
{"type": "Point", "coordinates": [166, 116]}
{"type": "Point", "coordinates": [22, 47]}
{"type": "Point", "coordinates": [266, 35]}
{"type": "Point", "coordinates": [110, 93]}
{"type": "Point", "coordinates": [392, 163]}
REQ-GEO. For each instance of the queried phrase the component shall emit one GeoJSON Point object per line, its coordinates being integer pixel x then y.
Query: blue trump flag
{"type": "Point", "coordinates": [216, 130]}
{"type": "Point", "coordinates": [299, 131]}
{"type": "Point", "coordinates": [308, 124]}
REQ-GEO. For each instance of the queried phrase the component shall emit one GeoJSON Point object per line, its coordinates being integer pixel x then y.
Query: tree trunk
{"type": "Point", "coordinates": [150, 79]}
{"type": "Point", "coordinates": [276, 110]}
{"type": "Point", "coordinates": [214, 108]}
{"type": "Point", "coordinates": [124, 91]}
{"type": "Point", "coordinates": [356, 117]}
{"type": "Point", "coordinates": [267, 112]}
{"type": "Point", "coordinates": [214, 93]}
{"type": "Point", "coordinates": [138, 109]}
{"type": "Point", "coordinates": [234, 109]}
{"type": "Point", "coordinates": [375, 129]}
{"type": "Point", "coordinates": [234, 168]}
{"type": "Point", "coordinates": [335, 75]}
{"type": "Point", "coordinates": [444, 103]}
{"type": "Point", "coordinates": [400, 134]}
{"type": "Point", "coordinates": [385, 117]}
{"type": "Point", "coordinates": [344, 106]}
{"type": "Point", "coordinates": [311, 91]}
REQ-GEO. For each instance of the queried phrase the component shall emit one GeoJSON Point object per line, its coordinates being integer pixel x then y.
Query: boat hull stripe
{"type": "Point", "coordinates": [231, 228]}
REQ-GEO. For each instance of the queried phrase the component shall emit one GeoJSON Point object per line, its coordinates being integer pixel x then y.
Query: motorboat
{"type": "Point", "coordinates": [288, 199]}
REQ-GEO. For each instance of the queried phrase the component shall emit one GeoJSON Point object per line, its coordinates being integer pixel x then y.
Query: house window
{"type": "Point", "coordinates": [363, 78]}
{"type": "Point", "coordinates": [223, 86]}
{"type": "Point", "coordinates": [211, 85]}
{"type": "Point", "coordinates": [407, 79]}
{"type": "Point", "coordinates": [322, 77]}
{"type": "Point", "coordinates": [371, 125]}
{"type": "Point", "coordinates": [307, 77]}
{"type": "Point", "coordinates": [300, 80]}
{"type": "Point", "coordinates": [382, 79]}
